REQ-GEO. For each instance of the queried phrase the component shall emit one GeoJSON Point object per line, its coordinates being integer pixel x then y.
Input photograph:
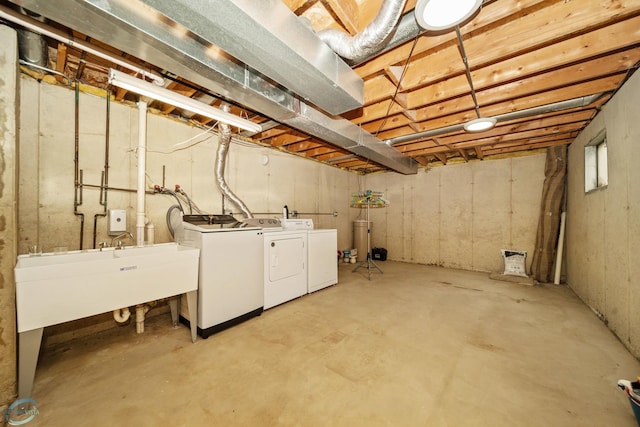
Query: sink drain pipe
{"type": "Point", "coordinates": [123, 314]}
{"type": "Point", "coordinates": [141, 310]}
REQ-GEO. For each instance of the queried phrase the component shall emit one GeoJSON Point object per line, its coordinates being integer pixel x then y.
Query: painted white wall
{"type": "Point", "coordinates": [462, 215]}
{"type": "Point", "coordinates": [603, 226]}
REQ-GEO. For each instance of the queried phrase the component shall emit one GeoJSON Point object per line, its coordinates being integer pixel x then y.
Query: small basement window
{"type": "Point", "coordinates": [595, 163]}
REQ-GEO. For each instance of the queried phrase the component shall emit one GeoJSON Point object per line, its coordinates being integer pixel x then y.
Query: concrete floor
{"type": "Point", "coordinates": [415, 346]}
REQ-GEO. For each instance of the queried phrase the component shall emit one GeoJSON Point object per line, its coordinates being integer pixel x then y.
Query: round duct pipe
{"type": "Point", "coordinates": [370, 39]}
{"type": "Point", "coordinates": [221, 161]}
{"type": "Point", "coordinates": [32, 47]}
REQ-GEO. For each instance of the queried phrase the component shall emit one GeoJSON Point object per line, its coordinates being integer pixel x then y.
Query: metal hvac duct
{"type": "Point", "coordinates": [32, 47]}
{"type": "Point", "coordinates": [370, 40]}
{"type": "Point", "coordinates": [407, 29]}
{"type": "Point", "coordinates": [131, 26]}
{"type": "Point", "coordinates": [221, 161]}
{"type": "Point", "coordinates": [542, 109]}
{"type": "Point", "coordinates": [272, 40]}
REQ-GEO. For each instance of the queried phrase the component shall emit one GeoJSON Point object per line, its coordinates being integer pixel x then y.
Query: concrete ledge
{"type": "Point", "coordinates": [513, 279]}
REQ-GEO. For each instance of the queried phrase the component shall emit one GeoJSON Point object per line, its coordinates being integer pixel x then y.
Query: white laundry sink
{"type": "Point", "coordinates": [58, 287]}
{"type": "Point", "coordinates": [52, 288]}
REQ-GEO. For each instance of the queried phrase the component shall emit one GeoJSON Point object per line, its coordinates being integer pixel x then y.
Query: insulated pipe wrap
{"type": "Point", "coordinates": [221, 162]}
{"type": "Point", "coordinates": [369, 40]}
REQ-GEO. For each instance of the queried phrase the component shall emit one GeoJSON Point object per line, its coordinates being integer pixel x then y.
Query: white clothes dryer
{"type": "Point", "coordinates": [285, 266]}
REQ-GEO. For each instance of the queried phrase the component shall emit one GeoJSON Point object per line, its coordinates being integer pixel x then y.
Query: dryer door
{"type": "Point", "coordinates": [286, 258]}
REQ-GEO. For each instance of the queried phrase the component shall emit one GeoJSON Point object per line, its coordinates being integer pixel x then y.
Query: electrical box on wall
{"type": "Point", "coordinates": [117, 221]}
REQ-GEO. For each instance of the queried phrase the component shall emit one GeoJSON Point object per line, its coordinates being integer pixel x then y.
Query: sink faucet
{"type": "Point", "coordinates": [119, 236]}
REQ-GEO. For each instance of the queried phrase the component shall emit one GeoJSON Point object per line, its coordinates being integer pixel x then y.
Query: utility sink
{"type": "Point", "coordinates": [53, 288]}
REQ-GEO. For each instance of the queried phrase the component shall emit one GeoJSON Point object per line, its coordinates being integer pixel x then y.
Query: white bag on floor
{"type": "Point", "coordinates": [515, 262]}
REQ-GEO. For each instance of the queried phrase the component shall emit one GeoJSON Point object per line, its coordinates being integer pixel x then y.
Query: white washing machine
{"type": "Point", "coordinates": [231, 281]}
{"type": "Point", "coordinates": [285, 265]}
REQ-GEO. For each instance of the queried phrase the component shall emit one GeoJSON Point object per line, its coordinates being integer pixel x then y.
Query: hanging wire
{"type": "Point", "coordinates": [187, 143]}
{"type": "Point", "coordinates": [404, 70]}
{"type": "Point", "coordinates": [466, 67]}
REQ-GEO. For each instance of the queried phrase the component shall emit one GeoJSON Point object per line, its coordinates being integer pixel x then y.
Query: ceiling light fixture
{"type": "Point", "coordinates": [141, 87]}
{"type": "Point", "coordinates": [439, 15]}
{"type": "Point", "coordinates": [479, 124]}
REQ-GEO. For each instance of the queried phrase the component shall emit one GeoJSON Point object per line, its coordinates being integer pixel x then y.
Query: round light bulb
{"type": "Point", "coordinates": [480, 125]}
{"type": "Point", "coordinates": [438, 15]}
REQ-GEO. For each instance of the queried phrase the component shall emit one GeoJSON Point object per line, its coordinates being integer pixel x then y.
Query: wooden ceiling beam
{"type": "Point", "coordinates": [519, 148]}
{"type": "Point", "coordinates": [418, 145]}
{"type": "Point", "coordinates": [484, 141]}
{"type": "Point", "coordinates": [442, 157]}
{"type": "Point", "coordinates": [378, 88]}
{"type": "Point", "coordinates": [461, 109]}
{"type": "Point", "coordinates": [302, 146]}
{"type": "Point", "coordinates": [543, 98]}
{"type": "Point", "coordinates": [320, 150]}
{"type": "Point", "coordinates": [551, 57]}
{"type": "Point", "coordinates": [61, 59]}
{"type": "Point", "coordinates": [530, 79]}
{"type": "Point", "coordinates": [463, 153]}
{"type": "Point", "coordinates": [522, 137]}
{"type": "Point", "coordinates": [489, 15]}
{"type": "Point", "coordinates": [570, 76]}
{"type": "Point", "coordinates": [287, 139]}
{"type": "Point", "coordinates": [347, 12]}
{"type": "Point", "coordinates": [424, 161]}
{"type": "Point", "coordinates": [537, 29]}
{"type": "Point", "coordinates": [542, 122]}
{"type": "Point", "coordinates": [331, 155]}
{"type": "Point", "coordinates": [295, 5]}
{"type": "Point", "coordinates": [529, 142]}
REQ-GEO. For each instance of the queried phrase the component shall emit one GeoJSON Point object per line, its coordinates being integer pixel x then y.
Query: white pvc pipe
{"type": "Point", "coordinates": [151, 233]}
{"type": "Point", "coordinates": [121, 315]}
{"type": "Point", "coordinates": [142, 156]}
{"type": "Point", "coordinates": [556, 279]}
{"type": "Point", "coordinates": [141, 310]}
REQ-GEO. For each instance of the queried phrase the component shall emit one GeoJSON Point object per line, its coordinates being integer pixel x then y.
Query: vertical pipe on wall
{"type": "Point", "coordinates": [77, 199]}
{"type": "Point", "coordinates": [556, 278]}
{"type": "Point", "coordinates": [104, 185]}
{"type": "Point", "coordinates": [142, 155]}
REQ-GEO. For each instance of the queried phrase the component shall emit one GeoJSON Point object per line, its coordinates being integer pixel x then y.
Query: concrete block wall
{"type": "Point", "coordinates": [461, 215]}
{"type": "Point", "coordinates": [603, 226]}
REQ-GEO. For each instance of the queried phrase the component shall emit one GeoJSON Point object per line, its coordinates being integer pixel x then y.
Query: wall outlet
{"type": "Point", "coordinates": [117, 221]}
